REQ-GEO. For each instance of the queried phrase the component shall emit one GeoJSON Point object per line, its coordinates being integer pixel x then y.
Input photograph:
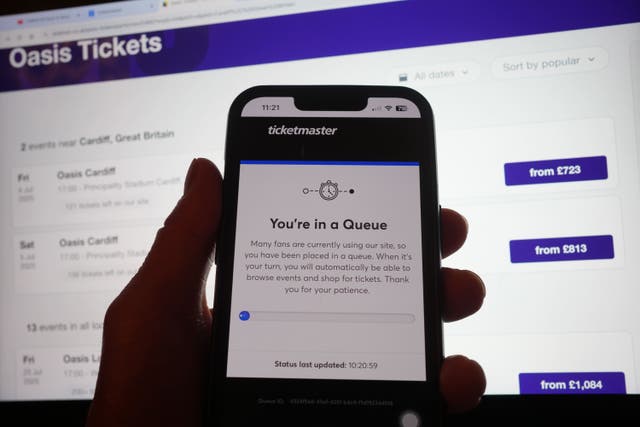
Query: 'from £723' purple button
{"type": "Point", "coordinates": [572, 383]}
{"type": "Point", "coordinates": [561, 249]}
{"type": "Point", "coordinates": [558, 170]}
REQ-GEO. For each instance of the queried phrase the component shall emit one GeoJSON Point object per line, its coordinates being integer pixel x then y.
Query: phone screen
{"type": "Point", "coordinates": [328, 272]}
{"type": "Point", "coordinates": [327, 282]}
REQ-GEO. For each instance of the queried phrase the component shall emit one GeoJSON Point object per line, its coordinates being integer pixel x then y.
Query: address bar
{"type": "Point", "coordinates": [222, 15]}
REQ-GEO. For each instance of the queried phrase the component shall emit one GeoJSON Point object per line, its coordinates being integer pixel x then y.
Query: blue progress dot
{"type": "Point", "coordinates": [244, 315]}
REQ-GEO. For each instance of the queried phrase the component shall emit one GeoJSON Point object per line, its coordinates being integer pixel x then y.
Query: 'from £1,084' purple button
{"type": "Point", "coordinates": [572, 383]}
{"type": "Point", "coordinates": [558, 170]}
{"type": "Point", "coordinates": [561, 249]}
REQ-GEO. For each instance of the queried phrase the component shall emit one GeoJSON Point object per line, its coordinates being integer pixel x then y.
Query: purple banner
{"type": "Point", "coordinates": [396, 25]}
{"type": "Point", "coordinates": [572, 383]}
{"type": "Point", "coordinates": [558, 170]}
{"type": "Point", "coordinates": [561, 249]}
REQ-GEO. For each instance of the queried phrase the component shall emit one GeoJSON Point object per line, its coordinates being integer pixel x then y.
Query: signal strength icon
{"type": "Point", "coordinates": [388, 107]}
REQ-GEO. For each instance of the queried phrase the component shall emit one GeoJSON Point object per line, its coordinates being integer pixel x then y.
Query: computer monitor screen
{"type": "Point", "coordinates": [537, 112]}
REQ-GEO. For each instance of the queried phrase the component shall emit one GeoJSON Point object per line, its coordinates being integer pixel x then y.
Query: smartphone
{"type": "Point", "coordinates": [326, 307]}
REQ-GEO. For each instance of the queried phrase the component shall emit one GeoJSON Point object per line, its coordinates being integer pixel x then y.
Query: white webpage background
{"type": "Point", "coordinates": [578, 316]}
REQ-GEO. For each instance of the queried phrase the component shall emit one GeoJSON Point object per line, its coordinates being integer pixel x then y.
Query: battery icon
{"type": "Point", "coordinates": [401, 108]}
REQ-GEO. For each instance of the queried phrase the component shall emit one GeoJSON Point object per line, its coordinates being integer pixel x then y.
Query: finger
{"type": "Point", "coordinates": [180, 255]}
{"type": "Point", "coordinates": [463, 293]}
{"type": "Point", "coordinates": [454, 230]}
{"type": "Point", "coordinates": [462, 383]}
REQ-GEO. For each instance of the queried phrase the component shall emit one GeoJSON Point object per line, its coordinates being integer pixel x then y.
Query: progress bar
{"type": "Point", "coordinates": [300, 316]}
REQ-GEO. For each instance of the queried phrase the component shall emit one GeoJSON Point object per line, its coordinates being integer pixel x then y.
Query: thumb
{"type": "Point", "coordinates": [180, 258]}
{"type": "Point", "coordinates": [163, 307]}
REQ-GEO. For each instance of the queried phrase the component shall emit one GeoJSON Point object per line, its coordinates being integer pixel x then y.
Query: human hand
{"type": "Point", "coordinates": [155, 348]}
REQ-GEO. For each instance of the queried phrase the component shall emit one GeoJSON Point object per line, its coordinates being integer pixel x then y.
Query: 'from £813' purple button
{"type": "Point", "coordinates": [558, 170]}
{"type": "Point", "coordinates": [561, 249]}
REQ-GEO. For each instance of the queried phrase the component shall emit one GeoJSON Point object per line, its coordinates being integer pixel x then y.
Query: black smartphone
{"type": "Point", "coordinates": [326, 307]}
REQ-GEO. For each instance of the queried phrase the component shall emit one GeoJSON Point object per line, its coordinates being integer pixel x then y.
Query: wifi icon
{"type": "Point", "coordinates": [388, 107]}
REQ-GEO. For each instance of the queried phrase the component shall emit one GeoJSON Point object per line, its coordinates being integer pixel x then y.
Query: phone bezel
{"type": "Point", "coordinates": [338, 98]}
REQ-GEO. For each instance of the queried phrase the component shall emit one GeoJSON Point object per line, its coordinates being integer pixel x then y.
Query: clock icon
{"type": "Point", "coordinates": [328, 190]}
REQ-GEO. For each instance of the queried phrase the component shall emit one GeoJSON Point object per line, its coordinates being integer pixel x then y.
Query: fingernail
{"type": "Point", "coordinates": [479, 279]}
{"type": "Point", "coordinates": [191, 175]}
{"type": "Point", "coordinates": [466, 222]}
{"type": "Point", "coordinates": [484, 287]}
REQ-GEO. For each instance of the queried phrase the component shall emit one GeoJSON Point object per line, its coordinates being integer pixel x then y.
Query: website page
{"type": "Point", "coordinates": [537, 139]}
{"type": "Point", "coordinates": [328, 283]}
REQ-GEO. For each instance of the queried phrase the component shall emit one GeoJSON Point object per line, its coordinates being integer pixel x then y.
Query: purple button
{"type": "Point", "coordinates": [558, 170]}
{"type": "Point", "coordinates": [572, 383]}
{"type": "Point", "coordinates": [561, 249]}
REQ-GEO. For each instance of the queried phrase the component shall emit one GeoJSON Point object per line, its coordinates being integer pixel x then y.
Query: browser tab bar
{"type": "Point", "coordinates": [78, 14]}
